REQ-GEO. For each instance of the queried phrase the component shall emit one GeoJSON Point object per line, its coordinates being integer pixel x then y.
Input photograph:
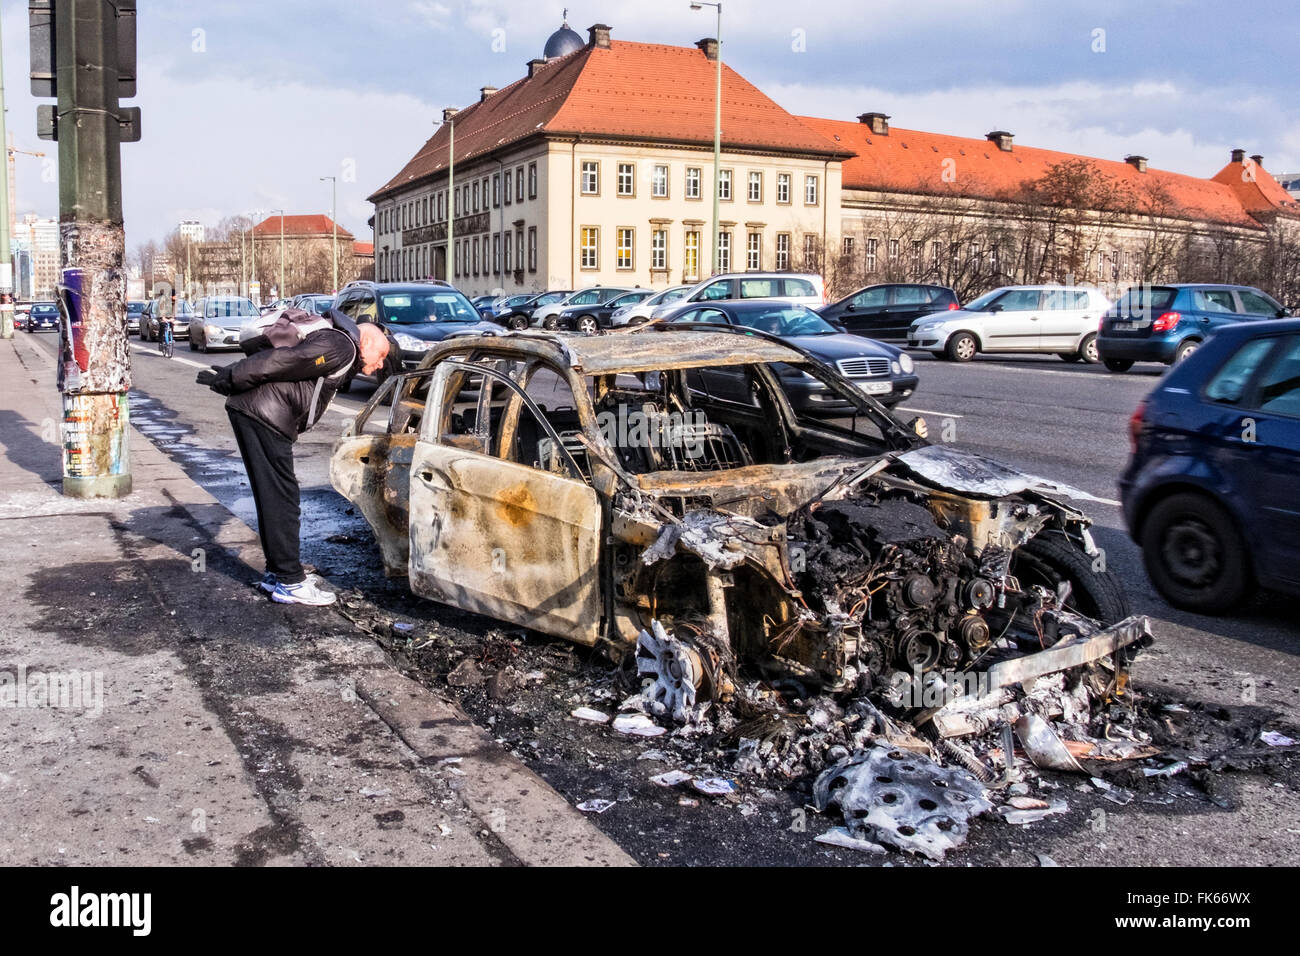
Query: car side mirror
{"type": "Point", "coordinates": [850, 308]}
{"type": "Point", "coordinates": [994, 308]}
{"type": "Point", "coordinates": [1283, 313]}
{"type": "Point", "coordinates": [839, 326]}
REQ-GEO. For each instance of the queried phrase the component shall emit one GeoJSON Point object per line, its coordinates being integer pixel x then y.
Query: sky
{"type": "Point", "coordinates": [246, 105]}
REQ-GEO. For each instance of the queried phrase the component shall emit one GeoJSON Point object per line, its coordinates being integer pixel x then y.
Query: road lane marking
{"type": "Point", "coordinates": [927, 411]}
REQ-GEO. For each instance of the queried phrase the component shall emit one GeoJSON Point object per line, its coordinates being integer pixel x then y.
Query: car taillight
{"type": "Point", "coordinates": [1135, 426]}
{"type": "Point", "coordinates": [953, 307]}
{"type": "Point", "coordinates": [1166, 322]}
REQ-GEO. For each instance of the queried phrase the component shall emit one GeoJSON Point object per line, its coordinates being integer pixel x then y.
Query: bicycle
{"type": "Point", "coordinates": [166, 345]}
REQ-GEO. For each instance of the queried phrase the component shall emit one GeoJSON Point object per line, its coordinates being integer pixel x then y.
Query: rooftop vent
{"type": "Point", "coordinates": [879, 122]}
{"type": "Point", "coordinates": [1002, 138]}
{"type": "Point", "coordinates": [710, 47]}
{"type": "Point", "coordinates": [1137, 162]}
{"type": "Point", "coordinates": [598, 35]}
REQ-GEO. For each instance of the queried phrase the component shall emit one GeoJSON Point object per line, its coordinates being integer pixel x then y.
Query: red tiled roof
{"type": "Point", "coordinates": [363, 248]}
{"type": "Point", "coordinates": [912, 161]}
{"type": "Point", "coordinates": [1254, 188]}
{"type": "Point", "coordinates": [636, 91]}
{"type": "Point", "coordinates": [296, 227]}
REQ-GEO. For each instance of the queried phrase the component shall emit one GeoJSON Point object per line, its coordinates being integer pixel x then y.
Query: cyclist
{"type": "Point", "coordinates": [166, 321]}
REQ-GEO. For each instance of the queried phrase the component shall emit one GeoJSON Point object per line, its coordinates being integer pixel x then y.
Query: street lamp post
{"type": "Point", "coordinates": [717, 125]}
{"type": "Point", "coordinates": [281, 289]}
{"type": "Point", "coordinates": [334, 198]}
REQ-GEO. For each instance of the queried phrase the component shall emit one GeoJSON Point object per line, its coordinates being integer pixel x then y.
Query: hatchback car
{"type": "Point", "coordinates": [584, 489]}
{"type": "Point", "coordinates": [41, 316]}
{"type": "Point", "coordinates": [548, 315]}
{"type": "Point", "coordinates": [1167, 323]}
{"type": "Point", "coordinates": [886, 312]}
{"type": "Point", "coordinates": [217, 319]}
{"type": "Point", "coordinates": [151, 331]}
{"type": "Point", "coordinates": [1212, 490]}
{"type": "Point", "coordinates": [318, 302]}
{"type": "Point", "coordinates": [520, 316]}
{"type": "Point", "coordinates": [1052, 319]}
{"type": "Point", "coordinates": [134, 310]}
{"type": "Point", "coordinates": [588, 318]}
{"type": "Point", "coordinates": [417, 315]}
{"type": "Point", "coordinates": [639, 312]}
{"type": "Point", "coordinates": [804, 289]}
{"type": "Point", "coordinates": [884, 372]}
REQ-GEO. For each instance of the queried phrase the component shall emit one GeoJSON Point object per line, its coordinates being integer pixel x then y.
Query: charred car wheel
{"type": "Point", "coordinates": [1050, 560]}
{"type": "Point", "coordinates": [1194, 555]}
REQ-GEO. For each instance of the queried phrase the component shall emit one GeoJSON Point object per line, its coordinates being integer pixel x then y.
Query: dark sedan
{"type": "Point", "coordinates": [1212, 490]}
{"type": "Point", "coordinates": [886, 312]}
{"type": "Point", "coordinates": [882, 371]}
{"type": "Point", "coordinates": [520, 316]}
{"type": "Point", "coordinates": [598, 315]}
{"type": "Point", "coordinates": [416, 316]}
{"type": "Point", "coordinates": [43, 315]}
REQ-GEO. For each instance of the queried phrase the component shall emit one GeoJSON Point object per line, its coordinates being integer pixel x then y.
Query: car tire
{"type": "Point", "coordinates": [518, 323]}
{"type": "Point", "coordinates": [962, 347]}
{"type": "Point", "coordinates": [551, 323]}
{"type": "Point", "coordinates": [1184, 350]}
{"type": "Point", "coordinates": [1118, 365]}
{"type": "Point", "coordinates": [1051, 558]}
{"type": "Point", "coordinates": [1194, 554]}
{"type": "Point", "coordinates": [202, 346]}
{"type": "Point", "coordinates": [193, 347]}
{"type": "Point", "coordinates": [1088, 349]}
{"type": "Point", "coordinates": [587, 325]}
{"type": "Point", "coordinates": [1069, 356]}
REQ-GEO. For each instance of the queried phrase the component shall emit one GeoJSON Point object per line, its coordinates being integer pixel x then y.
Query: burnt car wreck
{"type": "Point", "coordinates": [655, 494]}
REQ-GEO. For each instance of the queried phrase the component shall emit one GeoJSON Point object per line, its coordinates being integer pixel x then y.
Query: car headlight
{"type": "Point", "coordinates": [213, 330]}
{"type": "Point", "coordinates": [410, 343]}
{"type": "Point", "coordinates": [905, 363]}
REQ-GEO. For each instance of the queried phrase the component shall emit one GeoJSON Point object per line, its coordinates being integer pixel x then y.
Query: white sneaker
{"type": "Point", "coordinates": [306, 592]}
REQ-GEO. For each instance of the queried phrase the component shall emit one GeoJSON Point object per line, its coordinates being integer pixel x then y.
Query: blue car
{"type": "Point", "coordinates": [1212, 490]}
{"type": "Point", "coordinates": [1167, 323]}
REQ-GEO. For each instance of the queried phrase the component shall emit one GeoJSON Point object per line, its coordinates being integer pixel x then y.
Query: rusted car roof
{"type": "Point", "coordinates": [649, 351]}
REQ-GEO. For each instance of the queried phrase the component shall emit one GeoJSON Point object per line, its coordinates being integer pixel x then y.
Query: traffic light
{"type": "Point", "coordinates": [43, 19]}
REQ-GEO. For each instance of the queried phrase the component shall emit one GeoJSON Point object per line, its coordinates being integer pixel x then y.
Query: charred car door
{"type": "Point", "coordinates": [502, 522]}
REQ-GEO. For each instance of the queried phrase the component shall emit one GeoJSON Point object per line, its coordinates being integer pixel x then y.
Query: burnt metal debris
{"type": "Point", "coordinates": [827, 599]}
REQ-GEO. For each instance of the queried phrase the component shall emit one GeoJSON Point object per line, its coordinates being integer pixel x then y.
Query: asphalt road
{"type": "Point", "coordinates": [1067, 422]}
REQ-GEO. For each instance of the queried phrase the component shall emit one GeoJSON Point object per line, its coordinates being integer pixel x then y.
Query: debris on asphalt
{"type": "Point", "coordinates": [839, 836]}
{"type": "Point", "coordinates": [1024, 817]}
{"type": "Point", "coordinates": [590, 714]}
{"type": "Point", "coordinates": [1275, 739]}
{"type": "Point", "coordinates": [714, 786]}
{"type": "Point", "coordinates": [671, 778]}
{"type": "Point", "coordinates": [595, 806]}
{"type": "Point", "coordinates": [638, 725]}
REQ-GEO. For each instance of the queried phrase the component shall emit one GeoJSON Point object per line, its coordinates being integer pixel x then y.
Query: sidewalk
{"type": "Point", "coordinates": [197, 722]}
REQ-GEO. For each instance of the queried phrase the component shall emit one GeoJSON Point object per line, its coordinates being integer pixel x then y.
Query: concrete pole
{"type": "Point", "coordinates": [717, 142]}
{"type": "Point", "coordinates": [94, 368]}
{"type": "Point", "coordinates": [6, 262]}
{"type": "Point", "coordinates": [334, 198]}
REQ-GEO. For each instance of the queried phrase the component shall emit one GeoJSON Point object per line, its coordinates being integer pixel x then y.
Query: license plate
{"type": "Point", "coordinates": [1125, 326]}
{"type": "Point", "coordinates": [877, 388]}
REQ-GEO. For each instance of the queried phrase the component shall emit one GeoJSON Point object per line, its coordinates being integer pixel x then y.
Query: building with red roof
{"type": "Point", "coordinates": [596, 167]}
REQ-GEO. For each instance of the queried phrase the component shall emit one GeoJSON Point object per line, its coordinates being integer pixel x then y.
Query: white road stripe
{"type": "Point", "coordinates": [926, 411]}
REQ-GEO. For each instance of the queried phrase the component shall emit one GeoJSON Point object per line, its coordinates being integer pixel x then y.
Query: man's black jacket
{"type": "Point", "coordinates": [275, 385]}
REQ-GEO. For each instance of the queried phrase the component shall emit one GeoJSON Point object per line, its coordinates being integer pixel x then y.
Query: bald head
{"type": "Point", "coordinates": [374, 347]}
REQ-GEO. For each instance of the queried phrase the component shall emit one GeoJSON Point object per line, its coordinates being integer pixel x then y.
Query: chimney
{"type": "Point", "coordinates": [1137, 162]}
{"type": "Point", "coordinates": [1002, 138]}
{"type": "Point", "coordinates": [535, 65]}
{"type": "Point", "coordinates": [598, 34]}
{"type": "Point", "coordinates": [1238, 155]}
{"type": "Point", "coordinates": [710, 47]}
{"type": "Point", "coordinates": [1257, 159]}
{"type": "Point", "coordinates": [879, 122]}
{"type": "Point", "coordinates": [449, 112]}
{"type": "Point", "coordinates": [485, 91]}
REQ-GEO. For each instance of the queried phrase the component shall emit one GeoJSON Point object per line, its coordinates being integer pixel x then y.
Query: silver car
{"type": "Point", "coordinates": [217, 320]}
{"type": "Point", "coordinates": [1051, 319]}
{"type": "Point", "coordinates": [802, 288]}
{"type": "Point", "coordinates": [638, 312]}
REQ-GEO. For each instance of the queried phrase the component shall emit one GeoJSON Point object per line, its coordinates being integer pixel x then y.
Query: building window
{"type": "Point", "coordinates": [936, 255]}
{"type": "Point", "coordinates": [916, 258]}
{"type": "Point", "coordinates": [691, 255]}
{"type": "Point", "coordinates": [754, 252]}
{"type": "Point", "coordinates": [810, 190]}
{"type": "Point", "coordinates": [848, 246]}
{"type": "Point", "coordinates": [496, 253]}
{"type": "Point", "coordinates": [783, 188]}
{"type": "Point", "coordinates": [590, 178]}
{"type": "Point", "coordinates": [659, 183]}
{"type": "Point", "coordinates": [590, 247]}
{"type": "Point", "coordinates": [519, 243]}
{"type": "Point", "coordinates": [871, 254]}
{"type": "Point", "coordinates": [626, 179]}
{"type": "Point", "coordinates": [755, 187]}
{"type": "Point", "coordinates": [507, 187]}
{"type": "Point", "coordinates": [893, 251]}
{"type": "Point", "coordinates": [532, 180]}
{"type": "Point", "coordinates": [692, 182]}
{"type": "Point", "coordinates": [476, 197]}
{"type": "Point", "coordinates": [976, 257]}
{"type": "Point", "coordinates": [476, 255]}
{"type": "Point", "coordinates": [505, 238]}
{"type": "Point", "coordinates": [782, 251]}
{"type": "Point", "coordinates": [496, 191]}
{"type": "Point", "coordinates": [623, 250]}
{"type": "Point", "coordinates": [519, 184]}
{"type": "Point", "coordinates": [724, 185]}
{"type": "Point", "coordinates": [425, 209]}
{"type": "Point", "coordinates": [659, 250]}
{"type": "Point", "coordinates": [532, 248]}
{"type": "Point", "coordinates": [724, 252]}
{"type": "Point", "coordinates": [809, 249]}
